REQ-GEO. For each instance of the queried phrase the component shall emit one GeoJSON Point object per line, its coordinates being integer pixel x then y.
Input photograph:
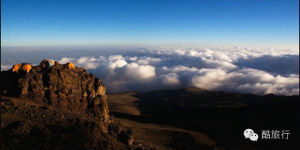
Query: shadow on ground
{"type": "Point", "coordinates": [222, 116]}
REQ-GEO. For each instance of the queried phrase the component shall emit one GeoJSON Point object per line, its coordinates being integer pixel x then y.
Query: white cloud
{"type": "Point", "coordinates": [91, 65]}
{"type": "Point", "coordinates": [115, 57]}
{"type": "Point", "coordinates": [117, 63]}
{"type": "Point", "coordinates": [140, 72]}
{"type": "Point", "coordinates": [230, 69]}
{"type": "Point", "coordinates": [209, 78]}
{"type": "Point", "coordinates": [170, 79]}
{"type": "Point", "coordinates": [5, 67]}
{"type": "Point", "coordinates": [66, 60]}
{"type": "Point", "coordinates": [148, 60]}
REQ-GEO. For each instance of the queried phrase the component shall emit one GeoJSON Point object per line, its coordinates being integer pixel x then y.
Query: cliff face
{"type": "Point", "coordinates": [69, 90]}
{"type": "Point", "coordinates": [57, 107]}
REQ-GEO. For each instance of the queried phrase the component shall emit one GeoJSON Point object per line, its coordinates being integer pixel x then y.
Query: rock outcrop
{"type": "Point", "coordinates": [69, 90]}
{"type": "Point", "coordinates": [55, 106]}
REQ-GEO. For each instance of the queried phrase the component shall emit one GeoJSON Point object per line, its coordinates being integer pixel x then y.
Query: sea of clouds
{"type": "Point", "coordinates": [234, 70]}
{"type": "Point", "coordinates": [242, 70]}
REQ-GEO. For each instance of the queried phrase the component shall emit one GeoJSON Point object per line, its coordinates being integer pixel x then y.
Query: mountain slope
{"type": "Point", "coordinates": [198, 119]}
{"type": "Point", "coordinates": [58, 107]}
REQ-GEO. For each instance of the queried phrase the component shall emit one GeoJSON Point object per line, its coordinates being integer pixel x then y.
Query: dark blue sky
{"type": "Point", "coordinates": [90, 22]}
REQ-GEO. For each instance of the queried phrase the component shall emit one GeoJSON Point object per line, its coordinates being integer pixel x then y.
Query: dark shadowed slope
{"type": "Point", "coordinates": [171, 118]}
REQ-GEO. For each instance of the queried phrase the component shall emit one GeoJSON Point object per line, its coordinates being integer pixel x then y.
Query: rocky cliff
{"type": "Point", "coordinates": [72, 90]}
{"type": "Point", "coordinates": [57, 107]}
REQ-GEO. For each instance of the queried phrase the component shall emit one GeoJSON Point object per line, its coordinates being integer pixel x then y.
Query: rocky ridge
{"type": "Point", "coordinates": [57, 107]}
{"type": "Point", "coordinates": [69, 90]}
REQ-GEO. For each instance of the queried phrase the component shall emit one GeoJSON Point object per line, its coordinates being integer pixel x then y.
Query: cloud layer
{"type": "Point", "coordinates": [233, 70]}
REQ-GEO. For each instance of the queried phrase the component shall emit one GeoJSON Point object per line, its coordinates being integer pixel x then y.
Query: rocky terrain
{"type": "Point", "coordinates": [57, 107]}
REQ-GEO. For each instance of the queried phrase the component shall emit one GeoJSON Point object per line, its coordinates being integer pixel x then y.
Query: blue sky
{"type": "Point", "coordinates": [89, 22]}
